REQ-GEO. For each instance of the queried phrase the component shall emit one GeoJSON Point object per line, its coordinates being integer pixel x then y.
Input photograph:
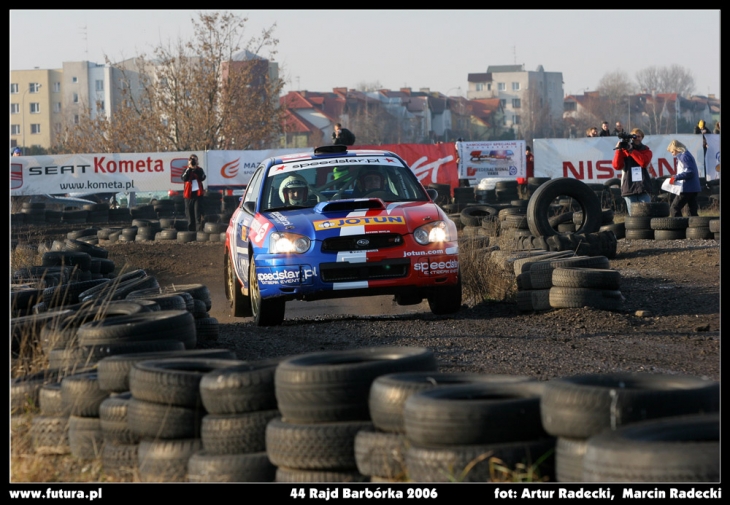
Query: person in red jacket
{"type": "Point", "coordinates": [193, 177]}
{"type": "Point", "coordinates": [632, 158]}
{"type": "Point", "coordinates": [529, 172]}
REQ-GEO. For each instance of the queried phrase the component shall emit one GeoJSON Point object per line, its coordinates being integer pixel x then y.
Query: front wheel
{"type": "Point", "coordinates": [240, 304]}
{"type": "Point", "coordinates": [446, 300]}
{"type": "Point", "coordinates": [265, 312]}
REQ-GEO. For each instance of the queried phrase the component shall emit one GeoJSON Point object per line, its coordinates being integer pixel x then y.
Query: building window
{"type": "Point", "coordinates": [503, 103]}
{"type": "Point", "coordinates": [100, 105]}
{"type": "Point", "coordinates": [14, 108]}
{"type": "Point", "coordinates": [74, 79]}
{"type": "Point", "coordinates": [76, 119]}
{"type": "Point", "coordinates": [14, 129]}
{"type": "Point", "coordinates": [99, 85]}
{"type": "Point", "coordinates": [515, 86]}
{"type": "Point", "coordinates": [13, 87]}
{"type": "Point", "coordinates": [489, 86]}
{"type": "Point", "coordinates": [57, 107]}
{"type": "Point", "coordinates": [35, 108]}
{"type": "Point", "coordinates": [516, 119]}
{"type": "Point", "coordinates": [57, 127]}
{"type": "Point", "coordinates": [516, 102]}
{"type": "Point", "coordinates": [56, 87]}
{"type": "Point", "coordinates": [480, 86]}
{"type": "Point", "coordinates": [76, 98]}
{"type": "Point", "coordinates": [501, 86]}
{"type": "Point", "coordinates": [34, 87]}
{"type": "Point", "coordinates": [569, 106]}
{"type": "Point", "coordinates": [35, 129]}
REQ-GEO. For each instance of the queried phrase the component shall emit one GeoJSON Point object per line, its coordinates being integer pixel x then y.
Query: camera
{"type": "Point", "coordinates": [625, 139]}
{"type": "Point", "coordinates": [193, 162]}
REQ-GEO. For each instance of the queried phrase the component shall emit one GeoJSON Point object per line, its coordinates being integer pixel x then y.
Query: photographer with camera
{"type": "Point", "coordinates": [632, 158]}
{"type": "Point", "coordinates": [193, 177]}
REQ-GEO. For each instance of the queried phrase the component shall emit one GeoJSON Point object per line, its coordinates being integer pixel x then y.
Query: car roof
{"type": "Point", "coordinates": [289, 158]}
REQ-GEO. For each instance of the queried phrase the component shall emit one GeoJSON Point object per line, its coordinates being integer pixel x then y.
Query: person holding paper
{"type": "Point", "coordinates": [632, 158]}
{"type": "Point", "coordinates": [687, 176]}
{"type": "Point", "coordinates": [193, 177]}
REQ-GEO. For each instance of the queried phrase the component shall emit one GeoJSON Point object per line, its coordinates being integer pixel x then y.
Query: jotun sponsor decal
{"type": "Point", "coordinates": [328, 224]}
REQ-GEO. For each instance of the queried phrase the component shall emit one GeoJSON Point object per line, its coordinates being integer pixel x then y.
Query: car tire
{"type": "Point", "coordinates": [240, 303]}
{"type": "Point", "coordinates": [265, 312]}
{"type": "Point", "coordinates": [540, 201]}
{"type": "Point", "coordinates": [204, 466]}
{"type": "Point", "coordinates": [446, 300]}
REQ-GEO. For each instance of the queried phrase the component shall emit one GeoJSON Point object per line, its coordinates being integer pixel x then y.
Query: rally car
{"type": "Point", "coordinates": [336, 223]}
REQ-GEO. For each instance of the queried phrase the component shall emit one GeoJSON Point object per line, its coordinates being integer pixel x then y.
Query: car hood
{"type": "Point", "coordinates": [355, 217]}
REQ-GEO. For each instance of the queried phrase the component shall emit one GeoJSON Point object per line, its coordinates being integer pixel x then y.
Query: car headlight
{"type": "Point", "coordinates": [432, 232]}
{"type": "Point", "coordinates": [288, 243]}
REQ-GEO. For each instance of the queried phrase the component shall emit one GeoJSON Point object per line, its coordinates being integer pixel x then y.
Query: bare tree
{"type": "Point", "coordinates": [672, 79]}
{"type": "Point", "coordinates": [615, 88]}
{"type": "Point", "coordinates": [195, 94]}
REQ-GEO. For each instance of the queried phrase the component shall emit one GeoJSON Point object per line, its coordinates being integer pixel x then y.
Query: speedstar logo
{"type": "Point", "coordinates": [436, 265]}
{"type": "Point", "coordinates": [328, 224]}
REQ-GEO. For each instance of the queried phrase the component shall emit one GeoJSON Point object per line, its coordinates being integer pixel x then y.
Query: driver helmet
{"type": "Point", "coordinates": [294, 190]}
{"type": "Point", "coordinates": [370, 180]}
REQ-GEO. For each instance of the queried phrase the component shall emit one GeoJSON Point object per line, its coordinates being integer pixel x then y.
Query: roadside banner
{"type": "Point", "coordinates": [712, 158]}
{"type": "Point", "coordinates": [504, 159]}
{"type": "Point", "coordinates": [234, 168]}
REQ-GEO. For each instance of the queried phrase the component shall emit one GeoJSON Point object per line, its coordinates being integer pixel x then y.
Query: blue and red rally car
{"type": "Point", "coordinates": [334, 224]}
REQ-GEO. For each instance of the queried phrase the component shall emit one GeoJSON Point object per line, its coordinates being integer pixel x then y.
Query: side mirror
{"type": "Point", "coordinates": [250, 207]}
{"type": "Point", "coordinates": [432, 193]}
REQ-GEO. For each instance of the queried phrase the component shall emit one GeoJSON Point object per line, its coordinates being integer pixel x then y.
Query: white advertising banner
{"type": "Point", "coordinates": [235, 168]}
{"type": "Point", "coordinates": [590, 159]}
{"type": "Point", "coordinates": [494, 159]}
{"type": "Point", "coordinates": [712, 158]}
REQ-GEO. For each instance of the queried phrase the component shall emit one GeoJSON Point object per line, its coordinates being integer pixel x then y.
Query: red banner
{"type": "Point", "coordinates": [432, 163]}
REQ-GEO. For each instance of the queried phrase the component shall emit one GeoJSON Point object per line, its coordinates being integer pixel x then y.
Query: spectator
{"type": "Point", "coordinates": [618, 129]}
{"type": "Point", "coordinates": [342, 135]}
{"type": "Point", "coordinates": [688, 173]}
{"type": "Point", "coordinates": [701, 128]}
{"type": "Point", "coordinates": [605, 130]}
{"type": "Point", "coordinates": [592, 132]}
{"type": "Point", "coordinates": [18, 152]}
{"type": "Point", "coordinates": [529, 163]}
{"type": "Point", "coordinates": [633, 158]}
{"type": "Point", "coordinates": [717, 128]}
{"type": "Point", "coordinates": [193, 177]}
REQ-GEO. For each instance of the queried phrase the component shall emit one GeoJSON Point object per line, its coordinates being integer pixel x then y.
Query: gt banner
{"type": "Point", "coordinates": [503, 159]}
{"type": "Point", "coordinates": [589, 159]}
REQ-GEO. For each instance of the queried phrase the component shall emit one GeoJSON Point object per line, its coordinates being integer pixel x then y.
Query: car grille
{"type": "Point", "coordinates": [362, 242]}
{"type": "Point", "coordinates": [348, 272]}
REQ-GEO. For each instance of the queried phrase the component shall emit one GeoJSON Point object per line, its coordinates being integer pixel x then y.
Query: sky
{"type": "Point", "coordinates": [435, 49]}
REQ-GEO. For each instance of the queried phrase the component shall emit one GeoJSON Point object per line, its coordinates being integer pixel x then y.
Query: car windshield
{"type": "Point", "coordinates": [300, 184]}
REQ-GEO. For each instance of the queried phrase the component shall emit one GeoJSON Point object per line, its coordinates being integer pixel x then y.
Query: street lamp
{"type": "Point", "coordinates": [24, 125]}
{"type": "Point", "coordinates": [457, 87]}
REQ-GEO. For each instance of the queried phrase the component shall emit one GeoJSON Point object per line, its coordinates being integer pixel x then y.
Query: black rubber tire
{"type": "Point", "coordinates": [699, 232]}
{"type": "Point", "coordinates": [114, 371]}
{"type": "Point", "coordinates": [474, 214]}
{"type": "Point", "coordinates": [204, 466]}
{"type": "Point", "coordinates": [166, 460]}
{"type": "Point", "coordinates": [296, 475]}
{"type": "Point", "coordinates": [81, 246]}
{"type": "Point", "coordinates": [162, 325]}
{"type": "Point", "coordinates": [81, 395]}
{"type": "Point", "coordinates": [81, 260]}
{"type": "Point", "coordinates": [650, 209]}
{"type": "Point", "coordinates": [569, 453]}
{"type": "Point", "coordinates": [577, 298]}
{"type": "Point", "coordinates": [581, 277]}
{"type": "Point", "coordinates": [388, 393]}
{"type": "Point", "coordinates": [618, 229]}
{"type": "Point", "coordinates": [150, 420]}
{"type": "Point", "coordinates": [584, 405]}
{"type": "Point", "coordinates": [84, 437]}
{"type": "Point", "coordinates": [335, 385]}
{"type": "Point", "coordinates": [699, 221]}
{"type": "Point", "coordinates": [173, 381]}
{"type": "Point", "coordinates": [49, 435]}
{"type": "Point", "coordinates": [120, 460]}
{"type": "Point", "coordinates": [265, 312]}
{"type": "Point", "coordinates": [187, 236]}
{"type": "Point", "coordinates": [68, 294]}
{"type": "Point", "coordinates": [522, 265]}
{"type": "Point", "coordinates": [668, 223]}
{"type": "Point", "coordinates": [246, 387]}
{"type": "Point", "coordinates": [319, 446]}
{"type": "Point", "coordinates": [675, 449]}
{"type": "Point", "coordinates": [476, 463]}
{"type": "Point", "coordinates": [236, 433]}
{"type": "Point", "coordinates": [670, 234]}
{"type": "Point", "coordinates": [474, 414]}
{"type": "Point", "coordinates": [540, 201]}
{"type": "Point", "coordinates": [380, 453]}
{"type": "Point", "coordinates": [50, 400]}
{"type": "Point", "coordinates": [166, 301]}
{"type": "Point", "coordinates": [113, 417]}
{"type": "Point", "coordinates": [639, 234]}
{"type": "Point", "coordinates": [240, 303]}
{"type": "Point", "coordinates": [541, 272]}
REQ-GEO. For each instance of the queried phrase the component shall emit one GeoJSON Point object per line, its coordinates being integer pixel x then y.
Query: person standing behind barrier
{"type": "Point", "coordinates": [592, 132]}
{"type": "Point", "coordinates": [605, 130]}
{"type": "Point", "coordinates": [618, 129]}
{"type": "Point", "coordinates": [688, 173]}
{"type": "Point", "coordinates": [632, 158]}
{"type": "Point", "coordinates": [702, 128]}
{"type": "Point", "coordinates": [717, 128]}
{"type": "Point", "coordinates": [193, 177]}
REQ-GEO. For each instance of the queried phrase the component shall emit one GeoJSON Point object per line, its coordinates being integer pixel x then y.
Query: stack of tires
{"type": "Point", "coordinates": [530, 298]}
{"type": "Point", "coordinates": [323, 400]}
{"type": "Point", "coordinates": [380, 451]}
{"type": "Point", "coordinates": [206, 327]}
{"type": "Point", "coordinates": [165, 411]}
{"type": "Point", "coordinates": [506, 191]}
{"type": "Point", "coordinates": [629, 427]}
{"type": "Point", "coordinates": [81, 396]}
{"type": "Point", "coordinates": [714, 227]}
{"type": "Point", "coordinates": [98, 212]}
{"type": "Point", "coordinates": [147, 229]}
{"type": "Point", "coordinates": [143, 212]}
{"type": "Point", "coordinates": [473, 219]}
{"type": "Point", "coordinates": [698, 227]}
{"type": "Point", "coordinates": [669, 228]}
{"type": "Point", "coordinates": [34, 213]}
{"type": "Point", "coordinates": [464, 196]}
{"type": "Point", "coordinates": [460, 433]}
{"type": "Point", "coordinates": [638, 224]}
{"type": "Point", "coordinates": [444, 193]}
{"type": "Point", "coordinates": [49, 429]}
{"type": "Point", "coordinates": [240, 402]}
{"type": "Point", "coordinates": [215, 231]}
